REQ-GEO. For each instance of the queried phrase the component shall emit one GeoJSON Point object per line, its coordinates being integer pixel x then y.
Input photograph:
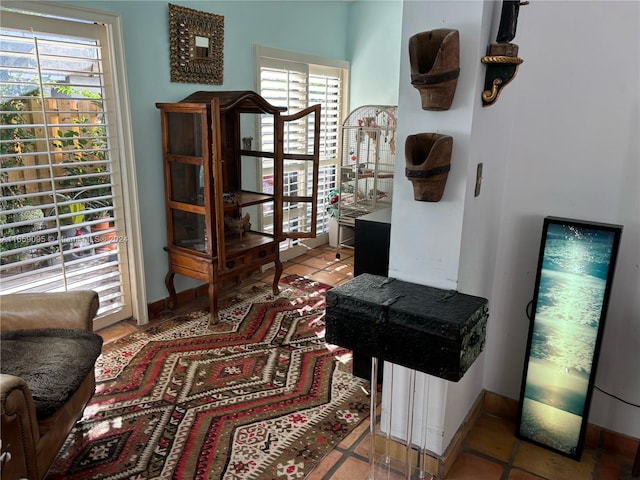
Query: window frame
{"type": "Point", "coordinates": [123, 124]}
{"type": "Point", "coordinates": [315, 65]}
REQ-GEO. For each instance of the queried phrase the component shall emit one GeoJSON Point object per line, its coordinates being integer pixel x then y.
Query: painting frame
{"type": "Point", "coordinates": [574, 277]}
{"type": "Point", "coordinates": [196, 44]}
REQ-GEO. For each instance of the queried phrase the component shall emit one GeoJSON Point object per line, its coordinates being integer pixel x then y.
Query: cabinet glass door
{"type": "Point", "coordinates": [189, 230]}
{"type": "Point", "coordinates": [298, 162]}
{"type": "Point", "coordinates": [186, 176]}
{"type": "Point", "coordinates": [187, 183]}
{"type": "Point", "coordinates": [184, 131]}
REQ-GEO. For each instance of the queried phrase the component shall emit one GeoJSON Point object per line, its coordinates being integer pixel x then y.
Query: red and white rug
{"type": "Point", "coordinates": [259, 395]}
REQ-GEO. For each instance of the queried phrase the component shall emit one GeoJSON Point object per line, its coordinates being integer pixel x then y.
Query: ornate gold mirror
{"type": "Point", "coordinates": [197, 45]}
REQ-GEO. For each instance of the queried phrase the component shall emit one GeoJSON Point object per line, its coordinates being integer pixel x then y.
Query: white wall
{"type": "Point", "coordinates": [562, 140]}
{"type": "Point", "coordinates": [426, 237]}
{"type": "Point", "coordinates": [573, 151]}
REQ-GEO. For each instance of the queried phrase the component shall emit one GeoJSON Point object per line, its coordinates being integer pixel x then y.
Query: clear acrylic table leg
{"type": "Point", "coordinates": [412, 393]}
{"type": "Point", "coordinates": [387, 443]}
{"type": "Point", "coordinates": [372, 417]}
{"type": "Point", "coordinates": [422, 472]}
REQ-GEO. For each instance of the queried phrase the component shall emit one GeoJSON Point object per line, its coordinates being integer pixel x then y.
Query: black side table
{"type": "Point", "coordinates": [371, 255]}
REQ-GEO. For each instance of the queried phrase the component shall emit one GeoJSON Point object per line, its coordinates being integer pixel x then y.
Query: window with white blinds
{"type": "Point", "coordinates": [294, 81]}
{"type": "Point", "coordinates": [61, 225]}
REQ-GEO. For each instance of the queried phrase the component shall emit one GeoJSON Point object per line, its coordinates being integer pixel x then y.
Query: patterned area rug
{"type": "Point", "coordinates": [259, 395]}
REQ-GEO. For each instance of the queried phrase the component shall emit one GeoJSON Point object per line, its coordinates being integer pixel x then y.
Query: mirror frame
{"type": "Point", "coordinates": [185, 24]}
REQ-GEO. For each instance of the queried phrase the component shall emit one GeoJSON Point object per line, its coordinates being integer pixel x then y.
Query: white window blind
{"type": "Point", "coordinates": [297, 85]}
{"type": "Point", "coordinates": [58, 173]}
{"type": "Point", "coordinates": [325, 88]}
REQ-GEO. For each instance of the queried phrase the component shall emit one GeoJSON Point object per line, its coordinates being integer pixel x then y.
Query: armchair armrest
{"type": "Point", "coordinates": [21, 311]}
{"type": "Point", "coordinates": [19, 425]}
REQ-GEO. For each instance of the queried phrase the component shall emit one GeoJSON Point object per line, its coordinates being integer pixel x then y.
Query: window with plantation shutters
{"type": "Point", "coordinates": [61, 222]}
{"type": "Point", "coordinates": [296, 81]}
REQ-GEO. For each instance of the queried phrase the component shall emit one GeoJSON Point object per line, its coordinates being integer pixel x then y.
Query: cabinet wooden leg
{"type": "Point", "coordinates": [213, 302]}
{"type": "Point", "coordinates": [168, 281]}
{"type": "Point", "coordinates": [276, 276]}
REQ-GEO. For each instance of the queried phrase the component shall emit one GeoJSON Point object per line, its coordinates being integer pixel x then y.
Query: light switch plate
{"type": "Point", "coordinates": [478, 179]}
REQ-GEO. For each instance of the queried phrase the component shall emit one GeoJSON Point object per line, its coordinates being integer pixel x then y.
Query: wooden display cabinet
{"type": "Point", "coordinates": [218, 193]}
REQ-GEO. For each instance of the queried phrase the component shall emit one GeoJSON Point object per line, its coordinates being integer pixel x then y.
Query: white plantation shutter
{"type": "Point", "coordinates": [297, 85]}
{"type": "Point", "coordinates": [325, 88]}
{"type": "Point", "coordinates": [283, 84]}
{"type": "Point", "coordinates": [59, 161]}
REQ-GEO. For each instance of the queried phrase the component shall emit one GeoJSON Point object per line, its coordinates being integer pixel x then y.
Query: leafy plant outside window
{"type": "Point", "coordinates": [14, 142]}
{"type": "Point", "coordinates": [86, 163]}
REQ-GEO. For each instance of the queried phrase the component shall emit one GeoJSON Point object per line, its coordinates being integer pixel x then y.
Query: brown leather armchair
{"type": "Point", "coordinates": [48, 355]}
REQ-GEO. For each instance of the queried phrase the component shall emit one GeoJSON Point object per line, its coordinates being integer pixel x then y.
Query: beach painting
{"type": "Point", "coordinates": [574, 276]}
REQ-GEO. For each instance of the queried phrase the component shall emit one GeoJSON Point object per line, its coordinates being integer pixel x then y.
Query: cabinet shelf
{"type": "Point", "coordinates": [188, 207]}
{"type": "Point", "coordinates": [245, 199]}
{"type": "Point", "coordinates": [257, 153]}
{"type": "Point", "coordinates": [234, 244]}
{"type": "Point", "coordinates": [190, 159]}
{"type": "Point", "coordinates": [250, 240]}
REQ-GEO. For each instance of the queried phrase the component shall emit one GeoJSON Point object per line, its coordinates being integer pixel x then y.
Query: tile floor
{"type": "Point", "coordinates": [489, 452]}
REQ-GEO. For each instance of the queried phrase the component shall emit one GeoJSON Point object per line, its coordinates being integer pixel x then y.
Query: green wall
{"type": "Point", "coordinates": [374, 34]}
{"type": "Point", "coordinates": [323, 28]}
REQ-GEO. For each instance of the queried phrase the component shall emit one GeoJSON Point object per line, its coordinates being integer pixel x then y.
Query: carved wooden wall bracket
{"type": "Point", "coordinates": [502, 66]}
{"type": "Point", "coordinates": [502, 59]}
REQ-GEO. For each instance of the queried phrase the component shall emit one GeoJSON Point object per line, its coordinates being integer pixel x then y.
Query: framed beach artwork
{"type": "Point", "coordinates": [568, 310]}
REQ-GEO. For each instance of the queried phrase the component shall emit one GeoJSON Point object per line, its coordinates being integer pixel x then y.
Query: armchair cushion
{"type": "Point", "coordinates": [21, 311]}
{"type": "Point", "coordinates": [53, 362]}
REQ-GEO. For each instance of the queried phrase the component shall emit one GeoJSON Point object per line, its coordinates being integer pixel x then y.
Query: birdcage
{"type": "Point", "coordinates": [368, 146]}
